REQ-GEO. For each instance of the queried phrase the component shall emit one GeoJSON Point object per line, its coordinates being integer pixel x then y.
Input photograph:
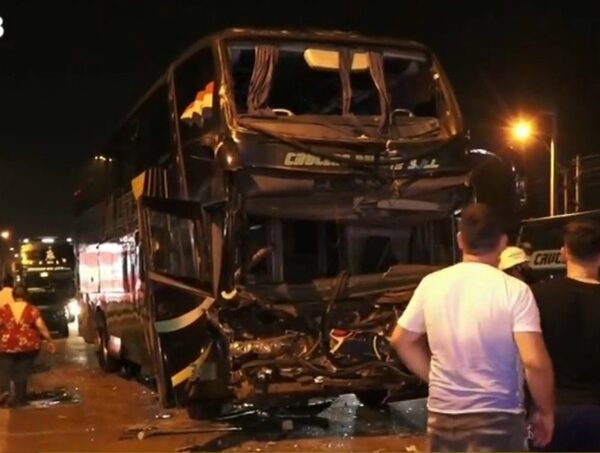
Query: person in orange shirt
{"type": "Point", "coordinates": [21, 332]}
{"type": "Point", "coordinates": [6, 291]}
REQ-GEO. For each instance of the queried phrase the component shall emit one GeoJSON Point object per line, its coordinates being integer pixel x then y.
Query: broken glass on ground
{"type": "Point", "coordinates": [52, 398]}
{"type": "Point", "coordinates": [268, 426]}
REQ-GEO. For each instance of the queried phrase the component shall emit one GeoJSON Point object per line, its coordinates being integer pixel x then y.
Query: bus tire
{"type": "Point", "coordinates": [107, 363]}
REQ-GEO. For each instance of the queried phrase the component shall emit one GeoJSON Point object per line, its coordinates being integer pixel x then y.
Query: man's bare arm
{"type": "Point", "coordinates": [538, 369]}
{"type": "Point", "coordinates": [413, 351]}
{"type": "Point", "coordinates": [540, 380]}
{"type": "Point", "coordinates": [41, 326]}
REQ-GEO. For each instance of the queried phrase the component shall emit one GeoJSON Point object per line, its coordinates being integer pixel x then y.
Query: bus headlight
{"type": "Point", "coordinates": [73, 307]}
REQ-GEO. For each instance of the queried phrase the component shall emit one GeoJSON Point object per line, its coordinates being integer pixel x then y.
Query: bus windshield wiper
{"type": "Point", "coordinates": [370, 167]}
{"type": "Point", "coordinates": [353, 124]}
{"type": "Point", "coordinates": [303, 146]}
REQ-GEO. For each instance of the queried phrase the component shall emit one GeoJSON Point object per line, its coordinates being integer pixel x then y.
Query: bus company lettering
{"type": "Point", "coordinates": [547, 259]}
{"type": "Point", "coordinates": [299, 159]}
{"type": "Point", "coordinates": [294, 159]}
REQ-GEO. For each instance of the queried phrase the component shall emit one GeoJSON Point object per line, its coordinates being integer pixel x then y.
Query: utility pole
{"type": "Point", "coordinates": [522, 131]}
{"type": "Point", "coordinates": [553, 134]}
{"type": "Point", "coordinates": [577, 183]}
{"type": "Point", "coordinates": [565, 175]}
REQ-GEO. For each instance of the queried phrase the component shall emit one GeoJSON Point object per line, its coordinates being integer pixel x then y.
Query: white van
{"type": "Point", "coordinates": [542, 238]}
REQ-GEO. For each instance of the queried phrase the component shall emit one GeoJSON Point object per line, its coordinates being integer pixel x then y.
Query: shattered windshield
{"type": "Point", "coordinates": [392, 89]}
{"type": "Point", "coordinates": [304, 251]}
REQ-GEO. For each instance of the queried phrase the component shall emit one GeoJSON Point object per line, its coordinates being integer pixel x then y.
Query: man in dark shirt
{"type": "Point", "coordinates": [570, 316]}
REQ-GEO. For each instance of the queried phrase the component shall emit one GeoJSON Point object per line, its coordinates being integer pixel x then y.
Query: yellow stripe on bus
{"type": "Point", "coordinates": [186, 373]}
{"type": "Point", "coordinates": [137, 185]}
{"type": "Point", "coordinates": [171, 325]}
{"type": "Point", "coordinates": [182, 376]}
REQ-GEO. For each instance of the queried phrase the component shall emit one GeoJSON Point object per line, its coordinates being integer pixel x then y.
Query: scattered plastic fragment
{"type": "Point", "coordinates": [142, 432]}
{"type": "Point", "coordinates": [287, 425]}
{"type": "Point", "coordinates": [52, 398]}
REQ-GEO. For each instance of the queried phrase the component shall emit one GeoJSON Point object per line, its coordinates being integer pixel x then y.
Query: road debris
{"type": "Point", "coordinates": [52, 398]}
{"type": "Point", "coordinates": [187, 448]}
{"type": "Point", "coordinates": [143, 432]}
{"type": "Point", "coordinates": [287, 425]}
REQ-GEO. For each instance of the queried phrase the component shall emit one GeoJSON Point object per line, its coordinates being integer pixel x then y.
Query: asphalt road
{"type": "Point", "coordinates": [76, 407]}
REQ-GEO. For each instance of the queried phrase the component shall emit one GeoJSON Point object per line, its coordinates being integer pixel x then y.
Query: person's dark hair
{"type": "Point", "coordinates": [7, 281]}
{"type": "Point", "coordinates": [481, 229]}
{"type": "Point", "coordinates": [582, 239]}
{"type": "Point", "coordinates": [19, 292]}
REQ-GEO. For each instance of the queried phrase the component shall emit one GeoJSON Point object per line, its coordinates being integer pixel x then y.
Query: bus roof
{"type": "Point", "coordinates": [562, 217]}
{"type": "Point", "coordinates": [339, 37]}
{"type": "Point", "coordinates": [304, 35]}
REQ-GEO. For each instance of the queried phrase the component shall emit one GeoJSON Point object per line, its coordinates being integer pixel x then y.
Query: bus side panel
{"type": "Point", "coordinates": [125, 332]}
{"type": "Point", "coordinates": [88, 288]}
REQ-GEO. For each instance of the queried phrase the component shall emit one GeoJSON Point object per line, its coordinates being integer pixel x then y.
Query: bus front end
{"type": "Point", "coordinates": [341, 174]}
{"type": "Point", "coordinates": [324, 175]}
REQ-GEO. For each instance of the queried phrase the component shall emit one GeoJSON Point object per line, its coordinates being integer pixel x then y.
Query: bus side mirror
{"type": "Point", "coordinates": [228, 155]}
{"type": "Point", "coordinates": [497, 181]}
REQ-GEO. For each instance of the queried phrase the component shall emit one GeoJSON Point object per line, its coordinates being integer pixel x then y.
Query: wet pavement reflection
{"type": "Point", "coordinates": [344, 420]}
{"type": "Point", "coordinates": [76, 407]}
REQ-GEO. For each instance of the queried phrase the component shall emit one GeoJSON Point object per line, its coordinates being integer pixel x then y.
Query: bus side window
{"type": "Point", "coordinates": [154, 141]}
{"type": "Point", "coordinates": [173, 244]}
{"type": "Point", "coordinates": [195, 96]}
{"type": "Point", "coordinates": [122, 148]}
{"type": "Point", "coordinates": [125, 271]}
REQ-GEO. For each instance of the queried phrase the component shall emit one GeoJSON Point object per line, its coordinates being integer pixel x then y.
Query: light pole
{"type": "Point", "coordinates": [5, 236]}
{"type": "Point", "coordinates": [523, 130]}
{"type": "Point", "coordinates": [552, 161]}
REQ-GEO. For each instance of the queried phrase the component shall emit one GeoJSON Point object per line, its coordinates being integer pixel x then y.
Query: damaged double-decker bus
{"type": "Point", "coordinates": [258, 223]}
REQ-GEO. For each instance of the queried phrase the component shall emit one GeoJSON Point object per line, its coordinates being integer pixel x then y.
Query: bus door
{"type": "Point", "coordinates": [178, 291]}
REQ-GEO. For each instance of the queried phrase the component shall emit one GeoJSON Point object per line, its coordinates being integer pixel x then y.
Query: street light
{"type": "Point", "coordinates": [5, 234]}
{"type": "Point", "coordinates": [522, 131]}
{"type": "Point", "coordinates": [103, 158]}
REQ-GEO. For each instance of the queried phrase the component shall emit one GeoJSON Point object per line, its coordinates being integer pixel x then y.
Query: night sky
{"type": "Point", "coordinates": [70, 71]}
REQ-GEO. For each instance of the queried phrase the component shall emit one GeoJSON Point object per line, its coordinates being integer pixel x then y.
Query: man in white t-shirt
{"type": "Point", "coordinates": [470, 330]}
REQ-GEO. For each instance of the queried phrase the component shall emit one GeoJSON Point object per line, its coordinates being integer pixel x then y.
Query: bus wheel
{"type": "Point", "coordinates": [107, 363]}
{"type": "Point", "coordinates": [204, 409]}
